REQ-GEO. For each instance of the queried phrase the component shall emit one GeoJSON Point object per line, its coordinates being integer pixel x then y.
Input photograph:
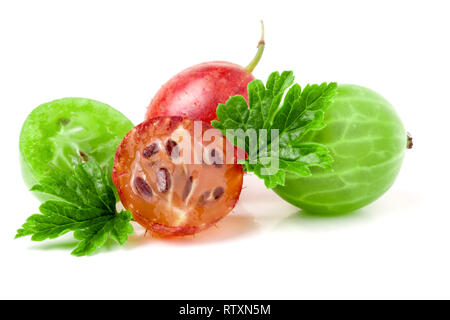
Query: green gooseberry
{"type": "Point", "coordinates": [60, 134]}
{"type": "Point", "coordinates": [367, 141]}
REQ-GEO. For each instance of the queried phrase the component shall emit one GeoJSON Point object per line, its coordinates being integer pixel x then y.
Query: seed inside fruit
{"type": "Point", "coordinates": [172, 149]}
{"type": "Point", "coordinates": [182, 201]}
{"type": "Point", "coordinates": [218, 192]}
{"type": "Point", "coordinates": [204, 197]}
{"type": "Point", "coordinates": [150, 150]}
{"type": "Point", "coordinates": [163, 180]}
{"type": "Point", "coordinates": [64, 121]}
{"type": "Point", "coordinates": [216, 158]}
{"type": "Point", "coordinates": [83, 156]}
{"type": "Point", "coordinates": [187, 188]}
{"type": "Point", "coordinates": [143, 187]}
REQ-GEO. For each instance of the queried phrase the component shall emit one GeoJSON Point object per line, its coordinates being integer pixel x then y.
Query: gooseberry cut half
{"type": "Point", "coordinates": [174, 179]}
{"type": "Point", "coordinates": [62, 133]}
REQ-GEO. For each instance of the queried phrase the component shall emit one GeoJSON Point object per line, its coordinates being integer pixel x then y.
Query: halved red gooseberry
{"type": "Point", "coordinates": [177, 176]}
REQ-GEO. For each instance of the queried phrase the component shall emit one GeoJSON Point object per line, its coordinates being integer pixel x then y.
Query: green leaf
{"type": "Point", "coordinates": [87, 185]}
{"type": "Point", "coordinates": [285, 121]}
{"type": "Point", "coordinates": [86, 205]}
{"type": "Point", "coordinates": [95, 235]}
{"type": "Point", "coordinates": [121, 227]}
{"type": "Point", "coordinates": [92, 237]}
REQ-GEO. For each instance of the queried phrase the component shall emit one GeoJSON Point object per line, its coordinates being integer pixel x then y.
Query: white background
{"type": "Point", "coordinates": [121, 52]}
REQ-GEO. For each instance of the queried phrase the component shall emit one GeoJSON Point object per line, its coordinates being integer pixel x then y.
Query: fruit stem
{"type": "Point", "coordinates": [409, 139]}
{"type": "Point", "coordinates": [261, 45]}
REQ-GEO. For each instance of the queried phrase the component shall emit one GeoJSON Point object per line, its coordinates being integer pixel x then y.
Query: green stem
{"type": "Point", "coordinates": [261, 45]}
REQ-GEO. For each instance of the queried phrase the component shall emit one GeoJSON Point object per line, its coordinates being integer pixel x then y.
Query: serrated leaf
{"type": "Point", "coordinates": [121, 227]}
{"type": "Point", "coordinates": [300, 112]}
{"type": "Point", "coordinates": [94, 236]}
{"type": "Point", "coordinates": [100, 185]}
{"type": "Point", "coordinates": [270, 180]}
{"type": "Point", "coordinates": [86, 205]}
{"type": "Point", "coordinates": [86, 186]}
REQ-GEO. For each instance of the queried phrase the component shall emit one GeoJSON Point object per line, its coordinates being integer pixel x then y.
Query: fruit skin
{"type": "Point", "coordinates": [55, 132]}
{"type": "Point", "coordinates": [197, 91]}
{"type": "Point", "coordinates": [168, 211]}
{"type": "Point", "coordinates": [367, 141]}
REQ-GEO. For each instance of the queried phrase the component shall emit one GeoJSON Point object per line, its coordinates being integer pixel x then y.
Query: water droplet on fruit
{"type": "Point", "coordinates": [143, 187]}
{"type": "Point", "coordinates": [172, 149]}
{"type": "Point", "coordinates": [163, 180]}
{"type": "Point", "coordinates": [218, 192]}
{"type": "Point", "coordinates": [150, 150]}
